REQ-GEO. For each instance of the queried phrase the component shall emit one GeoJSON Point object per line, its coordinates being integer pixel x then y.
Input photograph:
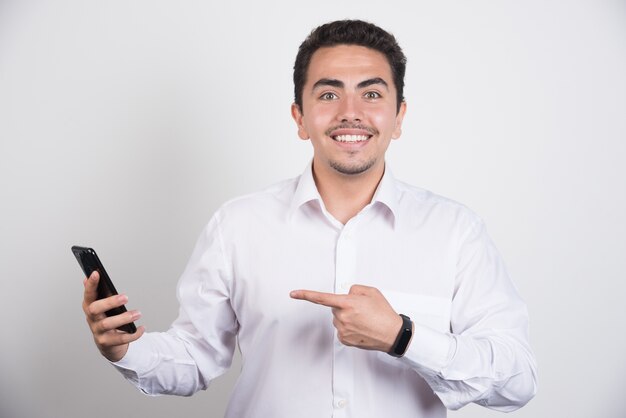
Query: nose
{"type": "Point", "coordinates": [350, 109]}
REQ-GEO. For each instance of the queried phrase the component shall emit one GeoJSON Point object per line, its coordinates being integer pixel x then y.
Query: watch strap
{"type": "Point", "coordinates": [404, 337]}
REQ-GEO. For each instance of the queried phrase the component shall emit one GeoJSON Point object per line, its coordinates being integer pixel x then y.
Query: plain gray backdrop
{"type": "Point", "coordinates": [125, 124]}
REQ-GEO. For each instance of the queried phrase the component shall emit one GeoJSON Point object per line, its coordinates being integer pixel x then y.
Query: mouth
{"type": "Point", "coordinates": [351, 134]}
{"type": "Point", "coordinates": [347, 138]}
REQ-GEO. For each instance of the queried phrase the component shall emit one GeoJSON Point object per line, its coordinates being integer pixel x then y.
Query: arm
{"type": "Point", "coordinates": [200, 344]}
{"type": "Point", "coordinates": [486, 358]}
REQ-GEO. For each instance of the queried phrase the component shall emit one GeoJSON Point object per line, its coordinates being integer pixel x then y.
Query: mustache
{"type": "Point", "coordinates": [369, 129]}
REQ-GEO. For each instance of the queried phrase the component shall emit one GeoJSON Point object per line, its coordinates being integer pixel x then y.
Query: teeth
{"type": "Point", "coordinates": [351, 138]}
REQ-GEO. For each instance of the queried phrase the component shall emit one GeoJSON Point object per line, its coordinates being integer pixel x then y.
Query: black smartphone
{"type": "Point", "coordinates": [89, 262]}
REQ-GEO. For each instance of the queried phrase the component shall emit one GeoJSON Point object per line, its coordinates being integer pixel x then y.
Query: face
{"type": "Point", "coordinates": [348, 110]}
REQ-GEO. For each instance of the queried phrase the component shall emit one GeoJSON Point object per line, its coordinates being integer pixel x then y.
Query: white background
{"type": "Point", "coordinates": [125, 124]}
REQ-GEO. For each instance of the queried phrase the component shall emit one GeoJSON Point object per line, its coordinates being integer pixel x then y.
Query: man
{"type": "Point", "coordinates": [365, 248]}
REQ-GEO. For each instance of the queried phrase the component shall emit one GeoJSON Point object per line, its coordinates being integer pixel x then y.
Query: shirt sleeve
{"type": "Point", "coordinates": [486, 358]}
{"type": "Point", "coordinates": [200, 344]}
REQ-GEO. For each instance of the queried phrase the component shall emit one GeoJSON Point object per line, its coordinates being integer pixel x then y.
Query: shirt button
{"type": "Point", "coordinates": [342, 403]}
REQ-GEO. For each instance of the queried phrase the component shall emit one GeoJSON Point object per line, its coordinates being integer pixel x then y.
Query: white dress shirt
{"type": "Point", "coordinates": [430, 257]}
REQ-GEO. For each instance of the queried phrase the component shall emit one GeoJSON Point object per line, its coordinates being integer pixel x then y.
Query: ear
{"type": "Point", "coordinates": [297, 116]}
{"type": "Point", "coordinates": [399, 118]}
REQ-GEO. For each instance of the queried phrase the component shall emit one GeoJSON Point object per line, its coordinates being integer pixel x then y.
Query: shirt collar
{"type": "Point", "coordinates": [386, 192]}
{"type": "Point", "coordinates": [306, 190]}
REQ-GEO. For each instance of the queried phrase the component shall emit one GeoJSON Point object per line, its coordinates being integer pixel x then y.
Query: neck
{"type": "Point", "coordinates": [344, 195]}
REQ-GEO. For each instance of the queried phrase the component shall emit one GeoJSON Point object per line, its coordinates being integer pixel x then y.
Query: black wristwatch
{"type": "Point", "coordinates": [404, 336]}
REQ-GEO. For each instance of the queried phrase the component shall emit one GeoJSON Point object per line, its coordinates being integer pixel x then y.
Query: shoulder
{"type": "Point", "coordinates": [421, 204]}
{"type": "Point", "coordinates": [270, 201]}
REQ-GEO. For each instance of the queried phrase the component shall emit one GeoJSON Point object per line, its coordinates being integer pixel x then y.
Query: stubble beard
{"type": "Point", "coordinates": [354, 168]}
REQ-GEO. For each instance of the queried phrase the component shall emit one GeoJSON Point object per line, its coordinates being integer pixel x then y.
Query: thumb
{"type": "Point", "coordinates": [91, 287]}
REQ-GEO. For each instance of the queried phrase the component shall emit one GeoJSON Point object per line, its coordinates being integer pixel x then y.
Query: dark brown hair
{"type": "Point", "coordinates": [349, 32]}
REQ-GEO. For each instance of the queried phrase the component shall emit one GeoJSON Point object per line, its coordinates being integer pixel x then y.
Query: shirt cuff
{"type": "Point", "coordinates": [139, 358]}
{"type": "Point", "coordinates": [429, 349]}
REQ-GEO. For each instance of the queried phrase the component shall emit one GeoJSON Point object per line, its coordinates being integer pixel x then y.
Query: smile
{"type": "Point", "coordinates": [351, 138]}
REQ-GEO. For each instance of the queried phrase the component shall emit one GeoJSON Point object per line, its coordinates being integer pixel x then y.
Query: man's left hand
{"type": "Point", "coordinates": [363, 317]}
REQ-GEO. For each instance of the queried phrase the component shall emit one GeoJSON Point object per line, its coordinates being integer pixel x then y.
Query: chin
{"type": "Point", "coordinates": [352, 169]}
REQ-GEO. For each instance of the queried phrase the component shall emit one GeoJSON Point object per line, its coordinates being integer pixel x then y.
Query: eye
{"type": "Point", "coordinates": [372, 95]}
{"type": "Point", "coordinates": [328, 96]}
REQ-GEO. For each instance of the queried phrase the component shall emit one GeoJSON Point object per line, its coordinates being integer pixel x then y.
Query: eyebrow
{"type": "Point", "coordinates": [331, 82]}
{"type": "Point", "coordinates": [372, 81]}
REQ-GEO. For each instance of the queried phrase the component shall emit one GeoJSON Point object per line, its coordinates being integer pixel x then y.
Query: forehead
{"type": "Point", "coordinates": [348, 62]}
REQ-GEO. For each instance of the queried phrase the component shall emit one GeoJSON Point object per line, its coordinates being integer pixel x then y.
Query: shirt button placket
{"type": "Point", "coordinates": [345, 263]}
{"type": "Point", "coordinates": [343, 369]}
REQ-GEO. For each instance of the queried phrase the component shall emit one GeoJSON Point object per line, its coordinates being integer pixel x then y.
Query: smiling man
{"type": "Point", "coordinates": [404, 307]}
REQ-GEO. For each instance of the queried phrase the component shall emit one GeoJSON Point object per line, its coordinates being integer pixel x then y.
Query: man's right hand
{"type": "Point", "coordinates": [111, 342]}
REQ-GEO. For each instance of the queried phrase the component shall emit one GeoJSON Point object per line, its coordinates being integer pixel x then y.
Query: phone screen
{"type": "Point", "coordinates": [89, 262]}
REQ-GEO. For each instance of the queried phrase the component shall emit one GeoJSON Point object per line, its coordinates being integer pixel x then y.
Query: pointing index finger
{"type": "Point", "coordinates": [327, 299]}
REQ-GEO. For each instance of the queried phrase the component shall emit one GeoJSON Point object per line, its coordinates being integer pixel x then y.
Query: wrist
{"type": "Point", "coordinates": [403, 337]}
